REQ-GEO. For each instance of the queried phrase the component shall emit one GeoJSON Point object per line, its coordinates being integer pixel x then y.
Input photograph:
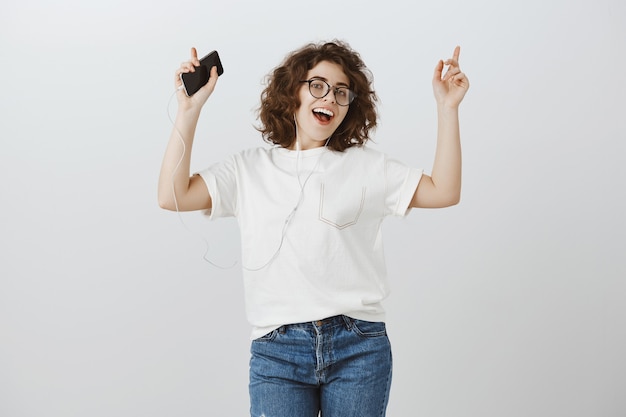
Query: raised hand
{"type": "Point", "coordinates": [450, 88]}
{"type": "Point", "coordinates": [201, 96]}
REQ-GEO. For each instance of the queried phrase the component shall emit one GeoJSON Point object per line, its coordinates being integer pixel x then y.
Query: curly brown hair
{"type": "Point", "coordinates": [279, 99]}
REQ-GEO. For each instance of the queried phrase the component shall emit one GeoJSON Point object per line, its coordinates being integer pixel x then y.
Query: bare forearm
{"type": "Point", "coordinates": [177, 190]}
{"type": "Point", "coordinates": [446, 174]}
{"type": "Point", "coordinates": [443, 188]}
{"type": "Point", "coordinates": [175, 168]}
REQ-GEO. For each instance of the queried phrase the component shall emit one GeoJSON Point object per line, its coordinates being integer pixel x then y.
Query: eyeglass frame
{"type": "Point", "coordinates": [351, 94]}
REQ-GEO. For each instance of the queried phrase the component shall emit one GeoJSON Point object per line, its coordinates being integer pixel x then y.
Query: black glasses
{"type": "Point", "coordinates": [320, 89]}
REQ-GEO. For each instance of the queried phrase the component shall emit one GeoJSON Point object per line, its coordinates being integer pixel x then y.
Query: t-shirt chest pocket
{"type": "Point", "coordinates": [341, 205]}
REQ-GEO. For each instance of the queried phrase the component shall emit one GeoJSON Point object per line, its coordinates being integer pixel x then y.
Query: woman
{"type": "Point", "coordinates": [310, 210]}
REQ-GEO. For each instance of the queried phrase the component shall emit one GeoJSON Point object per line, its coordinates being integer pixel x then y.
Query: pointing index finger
{"type": "Point", "coordinates": [454, 61]}
{"type": "Point", "coordinates": [194, 56]}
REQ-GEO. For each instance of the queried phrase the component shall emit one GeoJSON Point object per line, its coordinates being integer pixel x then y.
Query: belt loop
{"type": "Point", "coordinates": [348, 321]}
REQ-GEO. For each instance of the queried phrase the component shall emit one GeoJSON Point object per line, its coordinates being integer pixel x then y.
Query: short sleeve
{"type": "Point", "coordinates": [401, 183]}
{"type": "Point", "coordinates": [222, 183]}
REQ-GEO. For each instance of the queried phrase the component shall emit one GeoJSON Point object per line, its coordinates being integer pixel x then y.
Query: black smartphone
{"type": "Point", "coordinates": [193, 81]}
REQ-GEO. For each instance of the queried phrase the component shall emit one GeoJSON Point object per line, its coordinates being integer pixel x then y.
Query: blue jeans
{"type": "Point", "coordinates": [339, 366]}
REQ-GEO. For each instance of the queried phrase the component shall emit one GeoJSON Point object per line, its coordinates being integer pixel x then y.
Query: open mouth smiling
{"type": "Point", "coordinates": [323, 115]}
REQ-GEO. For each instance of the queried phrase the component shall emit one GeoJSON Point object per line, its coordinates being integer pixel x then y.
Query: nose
{"type": "Point", "coordinates": [327, 96]}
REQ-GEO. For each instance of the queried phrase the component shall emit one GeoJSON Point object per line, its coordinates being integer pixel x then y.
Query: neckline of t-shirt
{"type": "Point", "coordinates": [303, 154]}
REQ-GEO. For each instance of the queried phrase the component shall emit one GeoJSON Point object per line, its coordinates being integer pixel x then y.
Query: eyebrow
{"type": "Point", "coordinates": [339, 84]}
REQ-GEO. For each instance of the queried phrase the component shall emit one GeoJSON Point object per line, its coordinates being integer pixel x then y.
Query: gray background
{"type": "Point", "coordinates": [509, 304]}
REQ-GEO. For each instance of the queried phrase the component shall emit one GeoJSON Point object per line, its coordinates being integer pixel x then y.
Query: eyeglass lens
{"type": "Point", "coordinates": [320, 88]}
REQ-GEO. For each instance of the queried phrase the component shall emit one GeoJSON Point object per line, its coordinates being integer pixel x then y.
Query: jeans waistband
{"type": "Point", "coordinates": [333, 321]}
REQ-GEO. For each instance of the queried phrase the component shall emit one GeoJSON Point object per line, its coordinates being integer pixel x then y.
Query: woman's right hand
{"type": "Point", "coordinates": [202, 95]}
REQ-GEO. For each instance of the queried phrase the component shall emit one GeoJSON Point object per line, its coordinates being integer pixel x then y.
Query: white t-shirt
{"type": "Point", "coordinates": [310, 224]}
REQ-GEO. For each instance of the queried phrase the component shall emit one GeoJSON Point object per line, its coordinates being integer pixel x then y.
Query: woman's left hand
{"type": "Point", "coordinates": [450, 88]}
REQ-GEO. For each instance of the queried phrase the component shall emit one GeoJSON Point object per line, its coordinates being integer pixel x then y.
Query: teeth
{"type": "Point", "coordinates": [324, 111]}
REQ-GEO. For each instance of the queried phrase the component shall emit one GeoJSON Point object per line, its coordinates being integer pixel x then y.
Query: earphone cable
{"type": "Point", "coordinates": [176, 168]}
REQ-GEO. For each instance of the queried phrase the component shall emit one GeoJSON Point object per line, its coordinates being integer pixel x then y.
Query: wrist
{"type": "Point", "coordinates": [188, 111]}
{"type": "Point", "coordinates": [443, 108]}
